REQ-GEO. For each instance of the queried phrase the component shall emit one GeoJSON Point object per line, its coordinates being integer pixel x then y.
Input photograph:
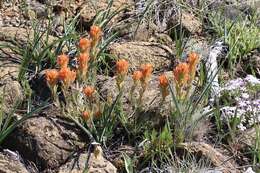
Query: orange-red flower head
{"type": "Point", "coordinates": [137, 75]}
{"type": "Point", "coordinates": [83, 61]}
{"type": "Point", "coordinates": [63, 60]}
{"type": "Point", "coordinates": [89, 91]}
{"type": "Point", "coordinates": [181, 74]}
{"type": "Point", "coordinates": [52, 77]}
{"type": "Point", "coordinates": [86, 115]}
{"type": "Point", "coordinates": [146, 70]}
{"type": "Point", "coordinates": [95, 33]}
{"type": "Point", "coordinates": [67, 76]}
{"type": "Point", "coordinates": [193, 60]}
{"type": "Point", "coordinates": [84, 45]}
{"type": "Point", "coordinates": [163, 81]}
{"type": "Point", "coordinates": [122, 67]}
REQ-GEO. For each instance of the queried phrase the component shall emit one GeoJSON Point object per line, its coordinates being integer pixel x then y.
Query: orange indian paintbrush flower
{"type": "Point", "coordinates": [95, 32]}
{"type": "Point", "coordinates": [193, 60]}
{"type": "Point", "coordinates": [137, 76]}
{"type": "Point", "coordinates": [121, 70]}
{"type": "Point", "coordinates": [164, 83]}
{"type": "Point", "coordinates": [122, 67]}
{"type": "Point", "coordinates": [63, 60]}
{"type": "Point", "coordinates": [146, 70]}
{"type": "Point", "coordinates": [86, 115]}
{"type": "Point", "coordinates": [89, 91]}
{"type": "Point", "coordinates": [181, 74]}
{"type": "Point", "coordinates": [84, 45]}
{"type": "Point", "coordinates": [83, 64]}
{"type": "Point", "coordinates": [52, 77]}
{"type": "Point", "coordinates": [67, 76]}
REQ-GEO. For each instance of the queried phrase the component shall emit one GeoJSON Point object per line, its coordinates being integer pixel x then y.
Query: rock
{"type": "Point", "coordinates": [20, 35]}
{"type": "Point", "coordinates": [191, 23]}
{"type": "Point", "coordinates": [89, 9]}
{"type": "Point", "coordinates": [47, 141]}
{"type": "Point", "coordinates": [11, 165]}
{"type": "Point", "coordinates": [10, 88]}
{"type": "Point", "coordinates": [137, 53]}
{"type": "Point", "coordinates": [95, 165]}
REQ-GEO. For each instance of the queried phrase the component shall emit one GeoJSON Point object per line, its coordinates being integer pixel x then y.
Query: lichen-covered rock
{"type": "Point", "coordinates": [11, 165]}
{"type": "Point", "coordinates": [20, 35]}
{"type": "Point", "coordinates": [137, 53]}
{"type": "Point", "coordinates": [47, 141]}
{"type": "Point", "coordinates": [10, 88]}
{"type": "Point", "coordinates": [89, 9]}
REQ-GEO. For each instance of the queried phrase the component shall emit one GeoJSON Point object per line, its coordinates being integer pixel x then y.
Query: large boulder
{"type": "Point", "coordinates": [89, 9]}
{"type": "Point", "coordinates": [137, 53]}
{"type": "Point", "coordinates": [47, 141]}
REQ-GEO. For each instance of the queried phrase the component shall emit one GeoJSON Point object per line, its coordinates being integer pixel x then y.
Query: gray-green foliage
{"type": "Point", "coordinates": [243, 33]}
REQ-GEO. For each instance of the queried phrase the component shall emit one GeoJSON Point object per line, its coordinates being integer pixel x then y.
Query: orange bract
{"type": "Point", "coordinates": [181, 74]}
{"type": "Point", "coordinates": [86, 115]}
{"type": "Point", "coordinates": [89, 91]}
{"type": "Point", "coordinates": [95, 32]}
{"type": "Point", "coordinates": [146, 70]}
{"type": "Point", "coordinates": [67, 76]}
{"type": "Point", "coordinates": [63, 60]}
{"type": "Point", "coordinates": [122, 67]}
{"type": "Point", "coordinates": [163, 81]}
{"type": "Point", "coordinates": [52, 77]}
{"type": "Point", "coordinates": [83, 61]}
{"type": "Point", "coordinates": [137, 75]}
{"type": "Point", "coordinates": [84, 45]}
{"type": "Point", "coordinates": [193, 60]}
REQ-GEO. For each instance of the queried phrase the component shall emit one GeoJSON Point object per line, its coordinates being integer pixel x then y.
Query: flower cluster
{"type": "Point", "coordinates": [93, 110]}
{"type": "Point", "coordinates": [141, 76]}
{"type": "Point", "coordinates": [65, 74]}
{"type": "Point", "coordinates": [184, 74]}
{"type": "Point", "coordinates": [244, 108]}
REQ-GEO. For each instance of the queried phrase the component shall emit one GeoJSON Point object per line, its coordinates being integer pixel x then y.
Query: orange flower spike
{"type": "Point", "coordinates": [67, 76]}
{"type": "Point", "coordinates": [193, 60]}
{"type": "Point", "coordinates": [137, 76]}
{"type": "Point", "coordinates": [63, 60]}
{"type": "Point", "coordinates": [86, 115]}
{"type": "Point", "coordinates": [83, 61]}
{"type": "Point", "coordinates": [181, 74]}
{"type": "Point", "coordinates": [89, 91]}
{"type": "Point", "coordinates": [147, 70]}
{"type": "Point", "coordinates": [63, 74]}
{"type": "Point", "coordinates": [122, 67]}
{"type": "Point", "coordinates": [84, 45]}
{"type": "Point", "coordinates": [72, 77]}
{"type": "Point", "coordinates": [163, 81]}
{"type": "Point", "coordinates": [52, 77]}
{"type": "Point", "coordinates": [95, 33]}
